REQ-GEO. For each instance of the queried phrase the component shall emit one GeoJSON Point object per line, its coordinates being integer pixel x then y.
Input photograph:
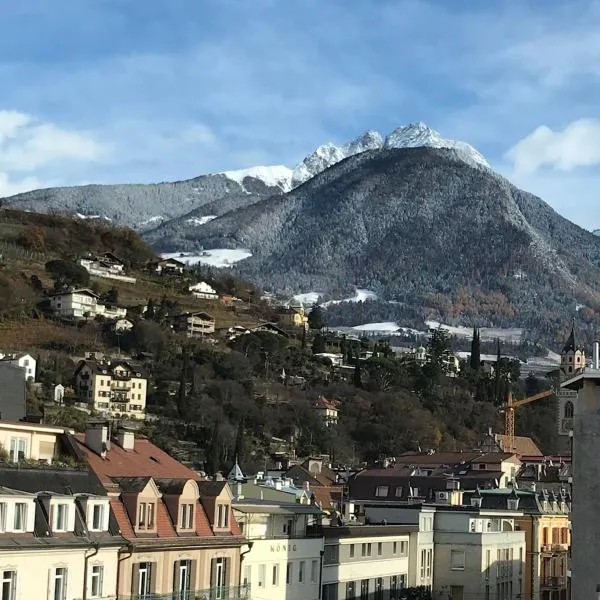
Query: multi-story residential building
{"type": "Point", "coordinates": [183, 539]}
{"type": "Point", "coordinates": [13, 405]}
{"type": "Point", "coordinates": [108, 266]}
{"type": "Point", "coordinates": [479, 553]}
{"type": "Point", "coordinates": [113, 388]}
{"type": "Point", "coordinates": [194, 324]}
{"type": "Point", "coordinates": [83, 304]}
{"type": "Point", "coordinates": [545, 522]}
{"type": "Point", "coordinates": [285, 546]}
{"type": "Point", "coordinates": [32, 442]}
{"type": "Point", "coordinates": [294, 315]}
{"type": "Point", "coordinates": [58, 538]}
{"type": "Point", "coordinates": [366, 561]}
{"type": "Point", "coordinates": [26, 362]}
{"type": "Point", "coordinates": [418, 477]}
{"type": "Point", "coordinates": [203, 290]}
{"type": "Point", "coordinates": [327, 410]}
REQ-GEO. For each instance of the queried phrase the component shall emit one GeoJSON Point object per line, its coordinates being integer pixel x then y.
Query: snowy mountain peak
{"type": "Point", "coordinates": [370, 140]}
{"type": "Point", "coordinates": [272, 176]}
{"type": "Point", "coordinates": [410, 136]}
{"type": "Point", "coordinates": [419, 134]}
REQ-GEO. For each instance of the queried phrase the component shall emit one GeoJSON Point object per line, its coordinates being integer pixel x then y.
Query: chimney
{"type": "Point", "coordinates": [126, 439]}
{"type": "Point", "coordinates": [96, 438]}
{"type": "Point", "coordinates": [596, 355]}
{"type": "Point", "coordinates": [306, 486]}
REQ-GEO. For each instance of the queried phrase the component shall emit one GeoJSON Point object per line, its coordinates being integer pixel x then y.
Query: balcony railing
{"type": "Point", "coordinates": [554, 583]}
{"type": "Point", "coordinates": [216, 593]}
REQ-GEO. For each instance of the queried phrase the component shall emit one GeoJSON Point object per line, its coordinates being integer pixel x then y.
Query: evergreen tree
{"type": "Point", "coordinates": [318, 345]}
{"type": "Point", "coordinates": [316, 319]}
{"type": "Point", "coordinates": [150, 312]}
{"type": "Point", "coordinates": [357, 378]}
{"type": "Point", "coordinates": [475, 350]}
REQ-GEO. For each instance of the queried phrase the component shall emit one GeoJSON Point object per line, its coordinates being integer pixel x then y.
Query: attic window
{"type": "Point", "coordinates": [156, 460]}
{"type": "Point", "coordinates": [381, 491]}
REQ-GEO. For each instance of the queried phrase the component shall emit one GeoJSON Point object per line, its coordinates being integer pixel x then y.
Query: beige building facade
{"type": "Point", "coordinates": [115, 388]}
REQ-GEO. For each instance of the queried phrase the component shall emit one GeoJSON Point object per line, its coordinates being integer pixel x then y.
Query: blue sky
{"type": "Point", "coordinates": [124, 90]}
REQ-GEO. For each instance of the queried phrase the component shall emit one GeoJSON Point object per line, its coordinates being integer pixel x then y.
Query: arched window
{"type": "Point", "coordinates": [568, 410]}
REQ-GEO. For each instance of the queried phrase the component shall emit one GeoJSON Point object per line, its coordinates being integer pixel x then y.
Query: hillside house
{"type": "Point", "coordinates": [203, 291]}
{"type": "Point", "coordinates": [271, 328]}
{"type": "Point", "coordinates": [107, 265]}
{"type": "Point", "coordinates": [327, 410]}
{"type": "Point", "coordinates": [294, 315]}
{"type": "Point", "coordinates": [194, 324]}
{"type": "Point", "coordinates": [168, 266]}
{"type": "Point", "coordinates": [112, 387]}
{"type": "Point", "coordinates": [122, 325]}
{"type": "Point", "coordinates": [83, 303]}
{"type": "Point", "coordinates": [26, 362]}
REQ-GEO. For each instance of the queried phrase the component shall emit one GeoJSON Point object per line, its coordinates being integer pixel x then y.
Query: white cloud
{"type": "Point", "coordinates": [28, 145]}
{"type": "Point", "coordinates": [577, 145]}
{"type": "Point", "coordinates": [9, 187]}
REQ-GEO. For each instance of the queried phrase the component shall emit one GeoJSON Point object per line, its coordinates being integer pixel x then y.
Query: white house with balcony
{"type": "Point", "coordinates": [203, 290]}
{"type": "Point", "coordinates": [83, 303]}
{"type": "Point", "coordinates": [284, 561]}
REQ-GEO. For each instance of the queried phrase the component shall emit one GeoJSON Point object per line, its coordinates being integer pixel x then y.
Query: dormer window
{"type": "Point", "coordinates": [97, 518]}
{"type": "Point", "coordinates": [476, 501]}
{"type": "Point", "coordinates": [186, 516]}
{"type": "Point", "coordinates": [20, 517]}
{"type": "Point", "coordinates": [222, 516]}
{"type": "Point", "coordinates": [61, 517]}
{"type": "Point", "coordinates": [146, 515]}
{"type": "Point", "coordinates": [513, 503]}
{"type": "Point", "coordinates": [381, 491]}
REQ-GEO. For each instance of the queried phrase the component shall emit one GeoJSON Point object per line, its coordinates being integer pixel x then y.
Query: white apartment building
{"type": "Point", "coordinates": [53, 532]}
{"type": "Point", "coordinates": [112, 387]}
{"type": "Point", "coordinates": [478, 554]}
{"type": "Point", "coordinates": [366, 561]}
{"type": "Point", "coordinates": [23, 361]}
{"type": "Point", "coordinates": [83, 303]}
{"type": "Point", "coordinates": [284, 561]}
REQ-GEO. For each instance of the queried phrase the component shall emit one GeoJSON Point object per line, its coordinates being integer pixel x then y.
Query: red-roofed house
{"type": "Point", "coordinates": [327, 410]}
{"type": "Point", "coordinates": [183, 537]}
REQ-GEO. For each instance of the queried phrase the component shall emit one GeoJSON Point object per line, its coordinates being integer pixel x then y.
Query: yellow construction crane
{"type": "Point", "coordinates": [509, 413]}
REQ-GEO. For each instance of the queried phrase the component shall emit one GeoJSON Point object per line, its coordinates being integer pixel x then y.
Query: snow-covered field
{"type": "Point", "coordinates": [487, 334]}
{"type": "Point", "coordinates": [217, 257]}
{"type": "Point", "coordinates": [200, 220]}
{"type": "Point", "coordinates": [157, 219]}
{"type": "Point", "coordinates": [360, 295]}
{"type": "Point", "coordinates": [92, 217]}
{"type": "Point", "coordinates": [308, 299]}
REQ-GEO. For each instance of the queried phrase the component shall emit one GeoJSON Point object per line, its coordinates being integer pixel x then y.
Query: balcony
{"type": "Point", "coordinates": [121, 386]}
{"type": "Point", "coordinates": [555, 548]}
{"type": "Point", "coordinates": [216, 593]}
{"type": "Point", "coordinates": [553, 583]}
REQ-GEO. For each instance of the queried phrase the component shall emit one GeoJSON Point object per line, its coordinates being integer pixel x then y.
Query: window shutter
{"type": "Point", "coordinates": [193, 567]}
{"type": "Point", "coordinates": [50, 584]}
{"type": "Point", "coordinates": [176, 577]}
{"type": "Point", "coordinates": [225, 573]}
{"type": "Point", "coordinates": [153, 577]}
{"type": "Point", "coordinates": [213, 572]}
{"type": "Point", "coordinates": [135, 579]}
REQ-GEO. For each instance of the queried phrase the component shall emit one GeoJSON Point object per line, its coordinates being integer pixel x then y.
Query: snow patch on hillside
{"type": "Point", "coordinates": [216, 257]}
{"type": "Point", "coordinates": [487, 334]}
{"type": "Point", "coordinates": [200, 220]}
{"type": "Point", "coordinates": [308, 299]}
{"type": "Point", "coordinates": [360, 295]}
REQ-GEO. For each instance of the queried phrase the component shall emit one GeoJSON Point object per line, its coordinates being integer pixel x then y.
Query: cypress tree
{"type": "Point", "coordinates": [475, 350]}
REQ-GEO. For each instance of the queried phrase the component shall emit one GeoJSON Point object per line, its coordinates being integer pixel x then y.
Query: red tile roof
{"type": "Point", "coordinates": [147, 460]}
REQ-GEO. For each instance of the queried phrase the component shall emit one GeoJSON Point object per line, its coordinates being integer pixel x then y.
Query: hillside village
{"type": "Point", "coordinates": [232, 440]}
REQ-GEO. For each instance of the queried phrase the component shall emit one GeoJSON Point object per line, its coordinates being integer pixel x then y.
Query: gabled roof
{"type": "Point", "coordinates": [324, 403]}
{"type": "Point", "coordinates": [523, 446]}
{"type": "Point", "coordinates": [211, 489]}
{"type": "Point", "coordinates": [85, 291]}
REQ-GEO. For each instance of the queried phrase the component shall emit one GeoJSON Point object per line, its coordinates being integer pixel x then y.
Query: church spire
{"type": "Point", "coordinates": [570, 343]}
